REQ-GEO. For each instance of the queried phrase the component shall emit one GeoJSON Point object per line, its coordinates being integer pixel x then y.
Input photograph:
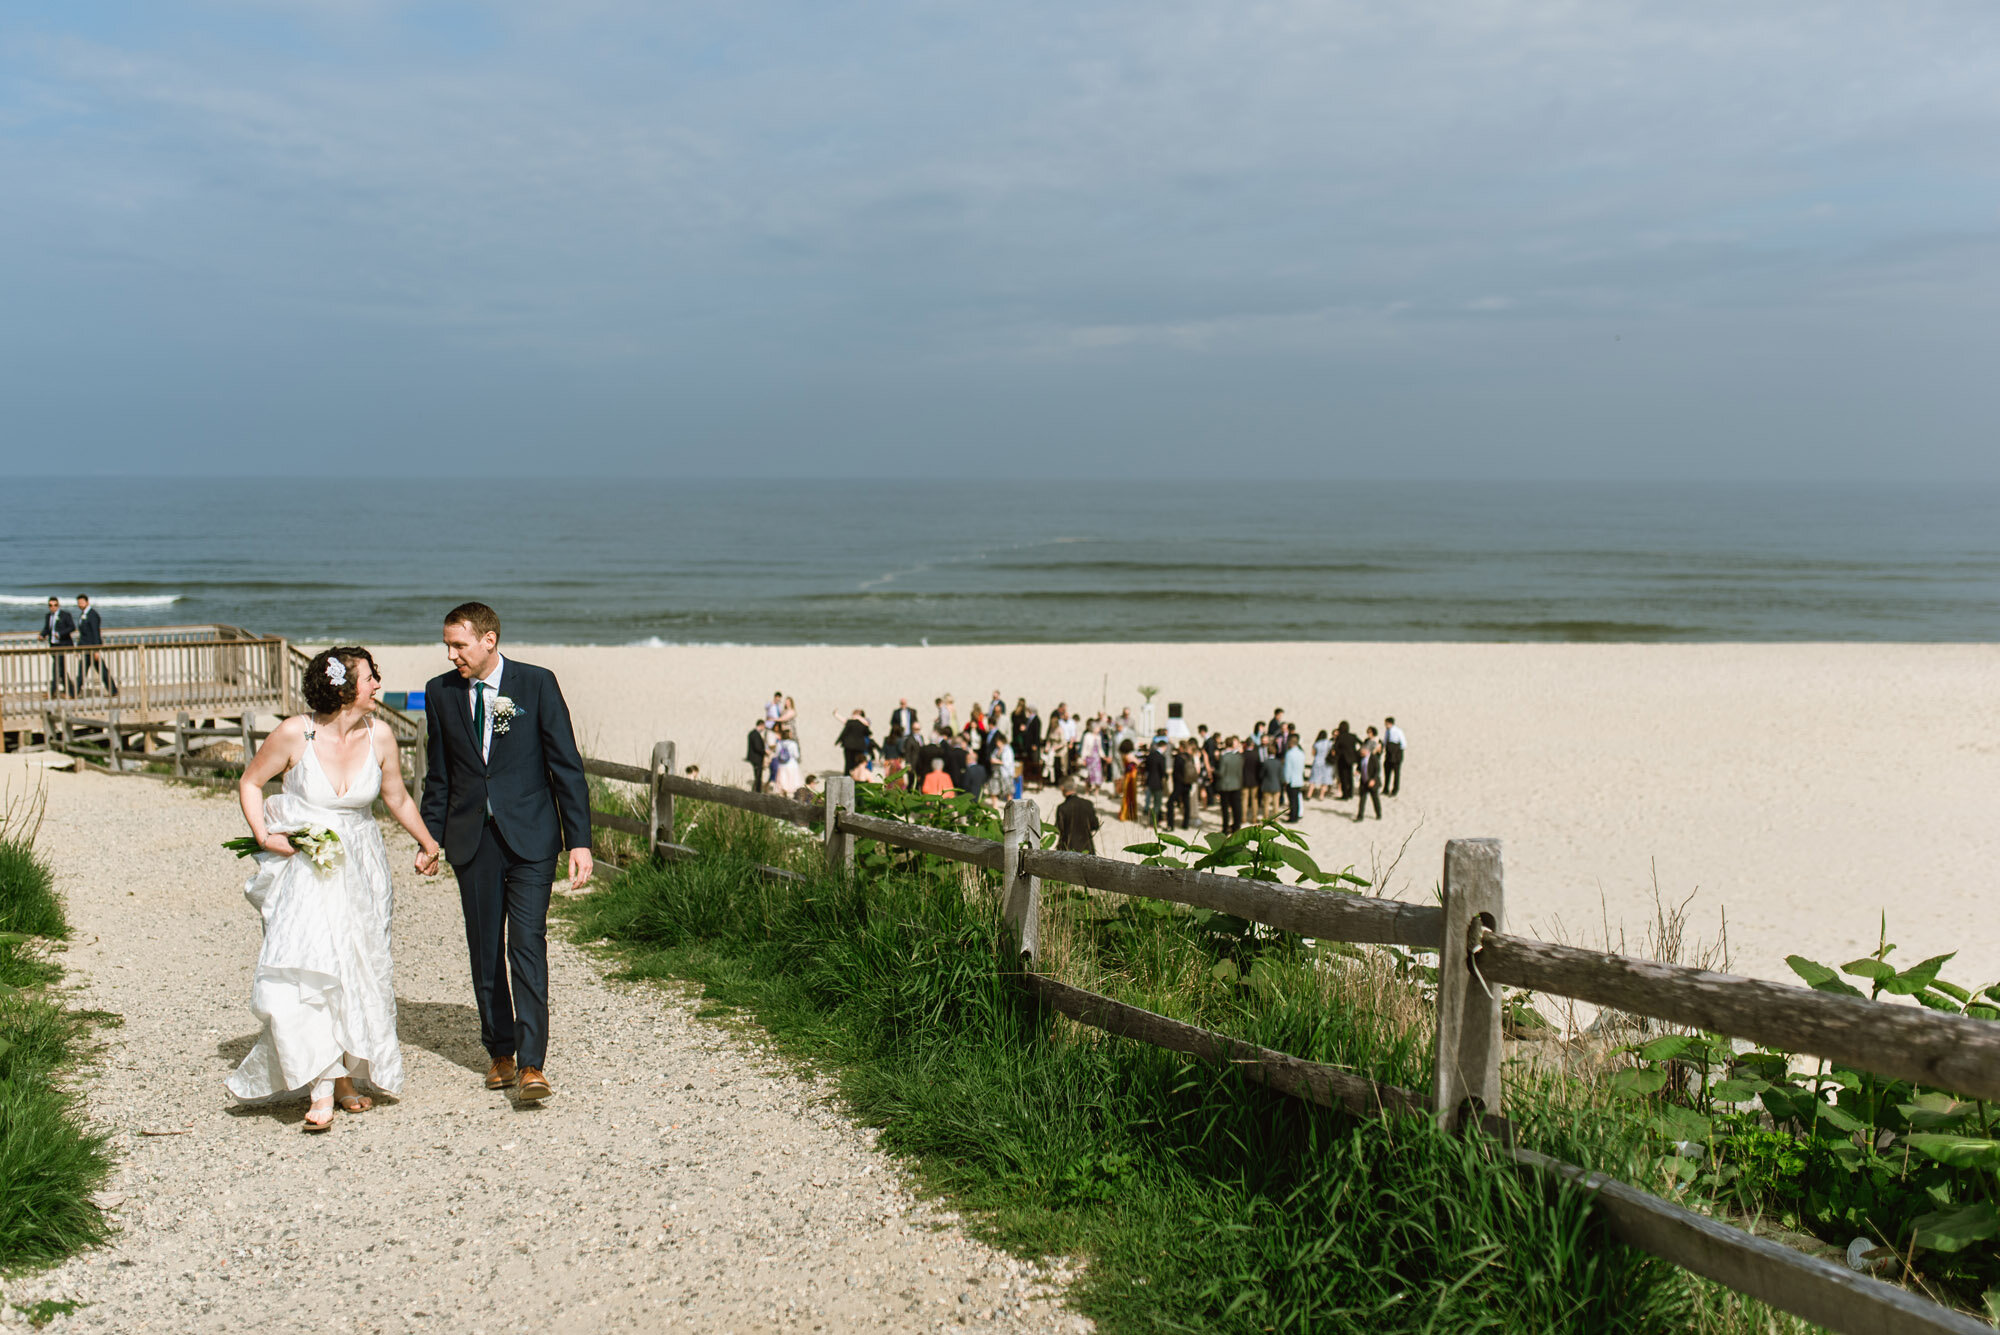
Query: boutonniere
{"type": "Point", "coordinates": [504, 710]}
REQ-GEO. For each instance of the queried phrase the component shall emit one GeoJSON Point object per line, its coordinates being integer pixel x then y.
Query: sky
{"type": "Point", "coordinates": [1157, 239]}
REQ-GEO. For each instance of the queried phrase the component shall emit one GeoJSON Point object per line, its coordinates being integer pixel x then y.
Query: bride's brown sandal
{"type": "Point", "coordinates": [353, 1103]}
{"type": "Point", "coordinates": [312, 1128]}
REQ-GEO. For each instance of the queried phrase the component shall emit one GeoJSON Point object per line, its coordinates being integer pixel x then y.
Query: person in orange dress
{"type": "Point", "coordinates": [1128, 784]}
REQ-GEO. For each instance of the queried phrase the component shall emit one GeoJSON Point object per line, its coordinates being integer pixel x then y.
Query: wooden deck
{"type": "Point", "coordinates": [209, 675]}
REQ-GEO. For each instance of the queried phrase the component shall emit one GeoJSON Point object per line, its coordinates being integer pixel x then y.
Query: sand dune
{"type": "Point", "coordinates": [1804, 789]}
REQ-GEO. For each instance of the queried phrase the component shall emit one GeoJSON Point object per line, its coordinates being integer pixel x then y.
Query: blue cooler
{"type": "Point", "coordinates": [1017, 787]}
{"type": "Point", "coordinates": [416, 701]}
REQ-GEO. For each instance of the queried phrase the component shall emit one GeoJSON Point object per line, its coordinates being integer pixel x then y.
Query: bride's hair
{"type": "Point", "coordinates": [323, 694]}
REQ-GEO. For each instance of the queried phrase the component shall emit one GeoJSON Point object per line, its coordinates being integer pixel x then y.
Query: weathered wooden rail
{"type": "Point", "coordinates": [1476, 958]}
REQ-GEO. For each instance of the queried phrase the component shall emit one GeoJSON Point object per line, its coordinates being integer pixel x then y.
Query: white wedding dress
{"type": "Point", "coordinates": [324, 986]}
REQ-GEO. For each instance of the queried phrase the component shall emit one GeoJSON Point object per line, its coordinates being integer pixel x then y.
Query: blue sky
{"type": "Point", "coordinates": [1481, 239]}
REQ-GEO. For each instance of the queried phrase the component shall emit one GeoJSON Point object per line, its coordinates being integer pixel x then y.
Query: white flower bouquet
{"type": "Point", "coordinates": [319, 845]}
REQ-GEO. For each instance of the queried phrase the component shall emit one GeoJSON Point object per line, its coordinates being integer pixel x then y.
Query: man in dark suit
{"type": "Point", "coordinates": [856, 741]}
{"type": "Point", "coordinates": [58, 632]}
{"type": "Point", "coordinates": [504, 795]}
{"type": "Point", "coordinates": [757, 751]}
{"type": "Point", "coordinates": [90, 637]}
{"type": "Point", "coordinates": [1346, 750]}
{"type": "Point", "coordinates": [903, 717]}
{"type": "Point", "coordinates": [1075, 821]}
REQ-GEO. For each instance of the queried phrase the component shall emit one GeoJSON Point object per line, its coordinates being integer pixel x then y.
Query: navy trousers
{"type": "Point", "coordinates": [506, 903]}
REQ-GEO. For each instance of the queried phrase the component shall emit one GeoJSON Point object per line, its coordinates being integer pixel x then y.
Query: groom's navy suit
{"type": "Point", "coordinates": [503, 819]}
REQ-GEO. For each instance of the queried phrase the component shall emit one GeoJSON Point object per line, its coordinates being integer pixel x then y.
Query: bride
{"type": "Point", "coordinates": [324, 986]}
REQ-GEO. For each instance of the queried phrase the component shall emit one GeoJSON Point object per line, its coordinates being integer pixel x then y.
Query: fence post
{"type": "Point", "coordinates": [180, 745]}
{"type": "Point", "coordinates": [420, 755]}
{"type": "Point", "coordinates": [839, 843]}
{"type": "Point", "coordinates": [1468, 1030]}
{"type": "Point", "coordinates": [113, 743]}
{"type": "Point", "coordinates": [1021, 896]}
{"type": "Point", "coordinates": [249, 743]}
{"type": "Point", "coordinates": [660, 811]}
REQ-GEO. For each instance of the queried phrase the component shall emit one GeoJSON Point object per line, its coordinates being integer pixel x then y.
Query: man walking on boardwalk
{"type": "Point", "coordinates": [504, 796]}
{"type": "Point", "coordinates": [90, 638]}
{"type": "Point", "coordinates": [58, 632]}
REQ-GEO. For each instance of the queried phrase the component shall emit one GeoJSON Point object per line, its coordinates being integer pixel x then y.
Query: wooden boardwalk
{"type": "Point", "coordinates": [210, 678]}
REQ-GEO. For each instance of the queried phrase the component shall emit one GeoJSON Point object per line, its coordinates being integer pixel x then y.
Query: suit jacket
{"type": "Point", "coordinates": [906, 719]}
{"type": "Point", "coordinates": [90, 628]}
{"type": "Point", "coordinates": [58, 629]}
{"type": "Point", "coordinates": [757, 747]}
{"type": "Point", "coordinates": [533, 780]}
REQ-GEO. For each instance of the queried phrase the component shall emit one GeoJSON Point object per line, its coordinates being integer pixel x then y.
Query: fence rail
{"type": "Point", "coordinates": [1467, 929]}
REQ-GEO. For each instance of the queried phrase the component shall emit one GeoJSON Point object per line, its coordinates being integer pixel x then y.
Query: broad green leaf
{"type": "Point", "coordinates": [1952, 990]}
{"type": "Point", "coordinates": [1737, 1090]}
{"type": "Point", "coordinates": [1957, 1151]}
{"type": "Point", "coordinates": [1958, 1229]}
{"type": "Point", "coordinates": [1841, 1118]}
{"type": "Point", "coordinates": [1146, 850]}
{"type": "Point", "coordinates": [1913, 980]}
{"type": "Point", "coordinates": [1677, 1123]}
{"type": "Point", "coordinates": [1636, 1083]}
{"type": "Point", "coordinates": [1873, 969]}
{"type": "Point", "coordinates": [1298, 860]}
{"type": "Point", "coordinates": [1352, 879]}
{"type": "Point", "coordinates": [1224, 972]}
{"type": "Point", "coordinates": [1820, 978]}
{"type": "Point", "coordinates": [1666, 1049]}
{"type": "Point", "coordinates": [1982, 1012]}
{"type": "Point", "coordinates": [1937, 1003]}
{"type": "Point", "coordinates": [1935, 1112]}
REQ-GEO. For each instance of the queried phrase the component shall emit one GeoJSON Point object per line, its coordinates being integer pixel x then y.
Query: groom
{"type": "Point", "coordinates": [504, 795]}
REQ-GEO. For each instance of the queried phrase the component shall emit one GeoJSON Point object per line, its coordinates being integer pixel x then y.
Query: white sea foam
{"type": "Point", "coordinates": [108, 600]}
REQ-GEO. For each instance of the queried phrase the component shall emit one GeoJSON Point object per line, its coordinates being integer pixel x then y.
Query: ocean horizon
{"type": "Point", "coordinates": [645, 561]}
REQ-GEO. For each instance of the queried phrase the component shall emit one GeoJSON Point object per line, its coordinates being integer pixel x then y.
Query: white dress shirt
{"type": "Point", "coordinates": [492, 683]}
{"type": "Point", "coordinates": [1394, 737]}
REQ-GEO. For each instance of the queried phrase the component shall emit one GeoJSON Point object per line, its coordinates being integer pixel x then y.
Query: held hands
{"type": "Point", "coordinates": [579, 868]}
{"type": "Point", "coordinates": [427, 862]}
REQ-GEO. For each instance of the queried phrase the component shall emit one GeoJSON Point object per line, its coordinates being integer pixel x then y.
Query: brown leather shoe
{"type": "Point", "coordinates": [501, 1073]}
{"type": "Point", "coordinates": [534, 1085]}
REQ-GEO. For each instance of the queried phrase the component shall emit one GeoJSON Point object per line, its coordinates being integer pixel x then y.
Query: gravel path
{"type": "Point", "coordinates": [680, 1179]}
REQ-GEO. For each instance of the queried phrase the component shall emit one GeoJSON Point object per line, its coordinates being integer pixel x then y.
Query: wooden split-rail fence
{"type": "Point", "coordinates": [1476, 959]}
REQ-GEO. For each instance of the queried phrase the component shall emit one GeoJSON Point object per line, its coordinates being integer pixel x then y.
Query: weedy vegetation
{"type": "Point", "coordinates": [50, 1162]}
{"type": "Point", "coordinates": [1200, 1201]}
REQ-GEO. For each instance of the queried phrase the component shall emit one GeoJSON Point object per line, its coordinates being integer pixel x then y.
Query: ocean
{"type": "Point", "coordinates": [376, 560]}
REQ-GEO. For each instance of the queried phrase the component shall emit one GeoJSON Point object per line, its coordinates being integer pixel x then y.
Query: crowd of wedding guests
{"type": "Point", "coordinates": [1267, 772]}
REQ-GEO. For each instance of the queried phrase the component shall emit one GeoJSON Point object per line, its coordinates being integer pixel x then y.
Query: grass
{"type": "Point", "coordinates": [1202, 1202]}
{"type": "Point", "coordinates": [50, 1162]}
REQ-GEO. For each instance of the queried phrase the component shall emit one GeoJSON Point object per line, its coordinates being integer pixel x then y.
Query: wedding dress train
{"type": "Point", "coordinates": [324, 986]}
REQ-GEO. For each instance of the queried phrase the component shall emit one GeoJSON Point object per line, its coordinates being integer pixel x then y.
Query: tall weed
{"type": "Point", "coordinates": [1203, 1201]}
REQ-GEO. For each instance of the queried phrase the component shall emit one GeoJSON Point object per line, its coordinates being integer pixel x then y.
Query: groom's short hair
{"type": "Point", "coordinates": [483, 619]}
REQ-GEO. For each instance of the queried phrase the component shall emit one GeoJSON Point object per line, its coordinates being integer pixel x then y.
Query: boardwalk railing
{"type": "Point", "coordinates": [184, 745]}
{"type": "Point", "coordinates": [1476, 956]}
{"type": "Point", "coordinates": [205, 671]}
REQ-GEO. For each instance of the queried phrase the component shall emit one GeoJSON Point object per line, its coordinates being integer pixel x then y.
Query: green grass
{"type": "Point", "coordinates": [50, 1163]}
{"type": "Point", "coordinates": [1202, 1201]}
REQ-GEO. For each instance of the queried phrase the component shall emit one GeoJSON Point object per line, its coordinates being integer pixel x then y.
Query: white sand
{"type": "Point", "coordinates": [1803, 788]}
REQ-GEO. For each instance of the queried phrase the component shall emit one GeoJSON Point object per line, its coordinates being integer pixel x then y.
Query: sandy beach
{"type": "Point", "coordinates": [1803, 789]}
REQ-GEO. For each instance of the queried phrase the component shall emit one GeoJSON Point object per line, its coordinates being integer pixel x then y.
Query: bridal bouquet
{"type": "Point", "coordinates": [319, 845]}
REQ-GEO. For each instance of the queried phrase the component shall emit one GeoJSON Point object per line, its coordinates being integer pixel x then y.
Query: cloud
{"type": "Point", "coordinates": [712, 223]}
